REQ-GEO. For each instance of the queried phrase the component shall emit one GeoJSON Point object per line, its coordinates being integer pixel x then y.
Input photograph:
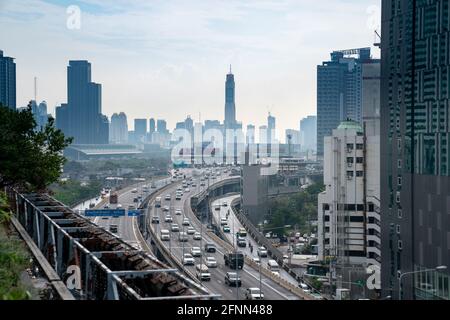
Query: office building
{"type": "Point", "coordinates": [270, 128]}
{"type": "Point", "coordinates": [40, 114]}
{"type": "Point", "coordinates": [250, 134]}
{"type": "Point", "coordinates": [84, 120]}
{"type": "Point", "coordinates": [140, 130]}
{"type": "Point", "coordinates": [7, 81]}
{"type": "Point", "coordinates": [415, 150]}
{"type": "Point", "coordinates": [339, 91]}
{"type": "Point", "coordinates": [308, 133]}
{"type": "Point", "coordinates": [162, 126]}
{"type": "Point", "coordinates": [118, 130]}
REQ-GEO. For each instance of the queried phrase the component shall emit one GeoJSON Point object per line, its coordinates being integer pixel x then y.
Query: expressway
{"type": "Point", "coordinates": [126, 227]}
{"type": "Point", "coordinates": [249, 276]}
{"type": "Point", "coordinates": [225, 212]}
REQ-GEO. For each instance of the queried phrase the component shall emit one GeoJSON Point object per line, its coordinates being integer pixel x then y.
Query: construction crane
{"type": "Point", "coordinates": [377, 44]}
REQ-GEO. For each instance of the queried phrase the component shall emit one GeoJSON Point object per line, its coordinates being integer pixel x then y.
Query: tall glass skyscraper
{"type": "Point", "coordinates": [85, 121]}
{"type": "Point", "coordinates": [415, 148]}
{"type": "Point", "coordinates": [7, 81]}
{"type": "Point", "coordinates": [339, 91]}
{"type": "Point", "coordinates": [230, 106]}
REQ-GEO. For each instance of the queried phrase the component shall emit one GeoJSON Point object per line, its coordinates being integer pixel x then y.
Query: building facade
{"type": "Point", "coordinates": [415, 150]}
{"type": "Point", "coordinates": [308, 133]}
{"type": "Point", "coordinates": [7, 81]}
{"type": "Point", "coordinates": [118, 130]}
{"type": "Point", "coordinates": [339, 91]}
{"type": "Point", "coordinates": [230, 105]}
{"type": "Point", "coordinates": [84, 119]}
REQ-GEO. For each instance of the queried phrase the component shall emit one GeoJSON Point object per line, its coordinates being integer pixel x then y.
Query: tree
{"type": "Point", "coordinates": [30, 159]}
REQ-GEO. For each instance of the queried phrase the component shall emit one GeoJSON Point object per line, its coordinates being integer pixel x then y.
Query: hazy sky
{"type": "Point", "coordinates": [168, 58]}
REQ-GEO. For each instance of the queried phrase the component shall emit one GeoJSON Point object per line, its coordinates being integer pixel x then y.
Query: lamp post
{"type": "Point", "coordinates": [438, 268]}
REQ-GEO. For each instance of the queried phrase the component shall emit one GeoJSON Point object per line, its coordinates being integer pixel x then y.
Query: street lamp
{"type": "Point", "coordinates": [438, 268]}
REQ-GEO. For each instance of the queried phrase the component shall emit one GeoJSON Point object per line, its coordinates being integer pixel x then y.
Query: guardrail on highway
{"type": "Point", "coordinates": [91, 262]}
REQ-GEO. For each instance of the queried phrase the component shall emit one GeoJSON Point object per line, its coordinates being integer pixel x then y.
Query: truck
{"type": "Point", "coordinates": [113, 198]}
{"type": "Point", "coordinates": [234, 259]}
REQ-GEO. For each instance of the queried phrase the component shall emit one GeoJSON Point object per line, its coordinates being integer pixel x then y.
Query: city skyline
{"type": "Point", "coordinates": [273, 71]}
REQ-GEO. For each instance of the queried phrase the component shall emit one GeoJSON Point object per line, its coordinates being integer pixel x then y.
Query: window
{"type": "Point", "coordinates": [398, 229]}
{"type": "Point", "coordinates": [399, 163]}
{"type": "Point", "coordinates": [349, 175]}
{"type": "Point", "coordinates": [359, 173]}
{"type": "Point", "coordinates": [371, 207]}
{"type": "Point", "coordinates": [399, 213]}
{"type": "Point", "coordinates": [326, 206]}
{"type": "Point", "coordinates": [399, 180]}
{"type": "Point", "coordinates": [400, 244]}
{"type": "Point", "coordinates": [397, 197]}
{"type": "Point", "coordinates": [359, 160]}
{"type": "Point", "coordinates": [349, 147]}
{"type": "Point", "coordinates": [359, 146]}
{"type": "Point", "coordinates": [399, 144]}
{"type": "Point", "coordinates": [349, 159]}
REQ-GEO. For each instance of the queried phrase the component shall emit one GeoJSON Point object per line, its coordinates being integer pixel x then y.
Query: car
{"type": "Point", "coordinates": [188, 259]}
{"type": "Point", "coordinates": [223, 221]}
{"type": "Point", "coordinates": [113, 228]}
{"type": "Point", "coordinates": [168, 218]}
{"type": "Point", "coordinates": [106, 206]}
{"type": "Point", "coordinates": [225, 204]}
{"type": "Point", "coordinates": [304, 287]}
{"type": "Point", "coordinates": [183, 237]}
{"type": "Point", "coordinates": [174, 227]}
{"type": "Point", "coordinates": [257, 260]}
{"type": "Point", "coordinates": [187, 190]}
{"type": "Point", "coordinates": [155, 219]}
{"type": "Point", "coordinates": [105, 218]}
{"type": "Point", "coordinates": [134, 190]}
{"type": "Point", "coordinates": [211, 262]}
{"type": "Point", "coordinates": [165, 235]}
{"type": "Point", "coordinates": [210, 247]}
{"type": "Point", "coordinates": [178, 212]}
{"type": "Point", "coordinates": [254, 294]}
{"type": "Point", "coordinates": [186, 222]}
{"type": "Point", "coordinates": [197, 236]}
{"type": "Point", "coordinates": [119, 206]}
{"type": "Point", "coordinates": [168, 197]}
{"type": "Point", "coordinates": [233, 279]}
{"type": "Point", "coordinates": [203, 272]}
{"type": "Point", "coordinates": [226, 229]}
{"type": "Point", "coordinates": [190, 231]}
{"type": "Point", "coordinates": [131, 207]}
{"type": "Point", "coordinates": [241, 242]}
{"type": "Point", "coordinates": [166, 209]}
{"type": "Point", "coordinates": [196, 252]}
{"type": "Point", "coordinates": [262, 252]}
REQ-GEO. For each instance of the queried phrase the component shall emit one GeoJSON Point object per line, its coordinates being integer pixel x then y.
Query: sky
{"type": "Point", "coordinates": [167, 59]}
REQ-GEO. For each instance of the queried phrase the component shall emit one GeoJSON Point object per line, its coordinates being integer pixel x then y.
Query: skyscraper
{"type": "Point", "coordinates": [162, 126]}
{"type": "Point", "coordinates": [140, 129]}
{"type": "Point", "coordinates": [415, 150]}
{"type": "Point", "coordinates": [230, 106]}
{"type": "Point", "coordinates": [339, 90]}
{"type": "Point", "coordinates": [308, 133]}
{"type": "Point", "coordinates": [7, 81]}
{"type": "Point", "coordinates": [270, 128]}
{"type": "Point", "coordinates": [84, 121]}
{"type": "Point", "coordinates": [151, 126]}
{"type": "Point", "coordinates": [118, 128]}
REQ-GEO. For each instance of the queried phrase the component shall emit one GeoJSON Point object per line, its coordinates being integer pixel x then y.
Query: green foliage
{"type": "Point", "coordinates": [72, 192]}
{"type": "Point", "coordinates": [4, 209]}
{"type": "Point", "coordinates": [29, 158]}
{"type": "Point", "coordinates": [295, 210]}
{"type": "Point", "coordinates": [13, 260]}
{"type": "Point", "coordinates": [316, 283]}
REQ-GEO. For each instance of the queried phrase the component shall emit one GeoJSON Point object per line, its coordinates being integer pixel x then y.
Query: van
{"type": "Point", "coordinates": [273, 266]}
{"type": "Point", "coordinates": [165, 235]}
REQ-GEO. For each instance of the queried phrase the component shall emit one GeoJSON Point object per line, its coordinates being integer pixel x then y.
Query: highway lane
{"type": "Point", "coordinates": [250, 277]}
{"type": "Point", "coordinates": [235, 225]}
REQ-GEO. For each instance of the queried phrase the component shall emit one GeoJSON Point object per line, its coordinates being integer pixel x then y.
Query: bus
{"type": "Point", "coordinates": [158, 202]}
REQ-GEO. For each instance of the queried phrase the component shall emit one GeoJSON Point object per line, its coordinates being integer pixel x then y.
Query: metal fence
{"type": "Point", "coordinates": [91, 262]}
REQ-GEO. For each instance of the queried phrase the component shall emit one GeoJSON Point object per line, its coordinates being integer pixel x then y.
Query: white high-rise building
{"type": "Point", "coordinates": [118, 129]}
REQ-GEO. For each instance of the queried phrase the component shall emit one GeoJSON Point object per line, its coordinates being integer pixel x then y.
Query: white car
{"type": "Point", "coordinates": [178, 212]}
{"type": "Point", "coordinates": [168, 218]}
{"type": "Point", "coordinates": [168, 197]}
{"type": "Point", "coordinates": [166, 209]}
{"type": "Point", "coordinates": [262, 252]}
{"type": "Point", "coordinates": [257, 260]}
{"type": "Point", "coordinates": [187, 190]}
{"type": "Point", "coordinates": [190, 231]}
{"type": "Point", "coordinates": [188, 259]}
{"type": "Point", "coordinates": [197, 236]}
{"type": "Point", "coordinates": [196, 252]}
{"type": "Point", "coordinates": [186, 222]}
{"type": "Point", "coordinates": [254, 294]}
{"type": "Point", "coordinates": [211, 262]}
